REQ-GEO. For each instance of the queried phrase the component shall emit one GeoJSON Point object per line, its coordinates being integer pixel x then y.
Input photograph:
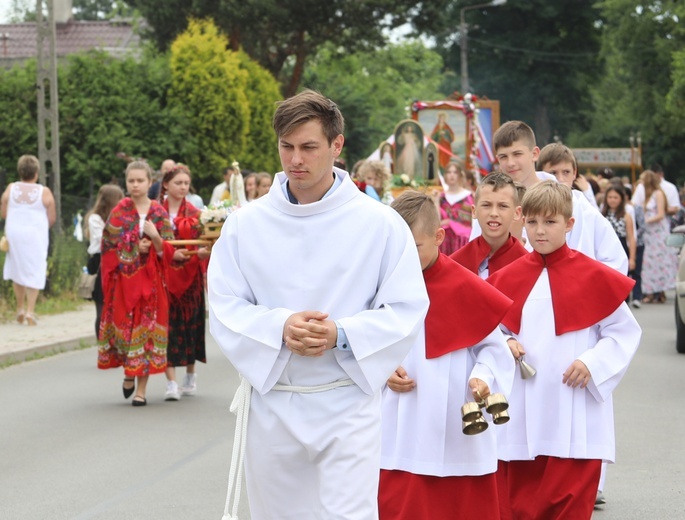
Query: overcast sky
{"type": "Point", "coordinates": [5, 6]}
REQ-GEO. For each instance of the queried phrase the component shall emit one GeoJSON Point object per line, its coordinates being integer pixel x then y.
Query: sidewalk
{"type": "Point", "coordinates": [55, 333]}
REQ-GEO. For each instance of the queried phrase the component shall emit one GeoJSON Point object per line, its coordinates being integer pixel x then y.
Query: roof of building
{"type": "Point", "coordinates": [18, 41]}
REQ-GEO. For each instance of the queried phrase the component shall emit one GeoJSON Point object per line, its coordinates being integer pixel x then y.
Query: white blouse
{"type": "Point", "coordinates": [95, 228]}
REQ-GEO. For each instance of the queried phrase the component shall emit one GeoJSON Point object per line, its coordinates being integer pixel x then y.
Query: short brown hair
{"type": "Point", "coordinates": [497, 181]}
{"type": "Point", "coordinates": [548, 198]}
{"type": "Point", "coordinates": [520, 192]}
{"type": "Point", "coordinates": [418, 210]}
{"type": "Point", "coordinates": [555, 153]}
{"type": "Point", "coordinates": [512, 131]}
{"type": "Point", "coordinates": [28, 167]}
{"type": "Point", "coordinates": [307, 106]}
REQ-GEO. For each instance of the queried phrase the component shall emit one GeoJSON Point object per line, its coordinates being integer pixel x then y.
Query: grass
{"type": "Point", "coordinates": [44, 354]}
{"type": "Point", "coordinates": [45, 306]}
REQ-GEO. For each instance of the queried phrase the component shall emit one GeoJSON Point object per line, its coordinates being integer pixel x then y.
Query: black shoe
{"type": "Point", "coordinates": [143, 402]}
{"type": "Point", "coordinates": [128, 391]}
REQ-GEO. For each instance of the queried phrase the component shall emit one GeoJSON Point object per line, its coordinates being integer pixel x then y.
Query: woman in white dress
{"type": "Point", "coordinates": [29, 210]}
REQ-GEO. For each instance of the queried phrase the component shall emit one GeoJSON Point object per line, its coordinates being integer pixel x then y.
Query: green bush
{"type": "Point", "coordinates": [208, 86]}
{"type": "Point", "coordinates": [261, 151]}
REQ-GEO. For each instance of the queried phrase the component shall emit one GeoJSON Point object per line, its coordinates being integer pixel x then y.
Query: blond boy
{"type": "Point", "coordinates": [579, 334]}
{"type": "Point", "coordinates": [557, 159]}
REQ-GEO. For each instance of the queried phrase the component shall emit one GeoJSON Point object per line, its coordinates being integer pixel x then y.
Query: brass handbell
{"type": "Point", "coordinates": [471, 412]}
{"type": "Point", "coordinates": [496, 403]}
{"type": "Point", "coordinates": [474, 427]}
{"type": "Point", "coordinates": [527, 371]}
{"type": "Point", "coordinates": [500, 418]}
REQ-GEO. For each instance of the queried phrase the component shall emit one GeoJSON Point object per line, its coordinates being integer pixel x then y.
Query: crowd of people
{"type": "Point", "coordinates": [150, 294]}
{"type": "Point", "coordinates": [534, 305]}
{"type": "Point", "coordinates": [352, 369]}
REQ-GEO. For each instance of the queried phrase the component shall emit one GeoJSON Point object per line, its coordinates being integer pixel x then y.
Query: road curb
{"type": "Point", "coordinates": [45, 349]}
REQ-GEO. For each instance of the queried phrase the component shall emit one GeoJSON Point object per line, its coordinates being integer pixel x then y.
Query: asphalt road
{"type": "Point", "coordinates": [72, 448]}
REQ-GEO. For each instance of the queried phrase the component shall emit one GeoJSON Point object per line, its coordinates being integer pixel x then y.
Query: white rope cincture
{"type": "Point", "coordinates": [240, 406]}
{"type": "Point", "coordinates": [313, 389]}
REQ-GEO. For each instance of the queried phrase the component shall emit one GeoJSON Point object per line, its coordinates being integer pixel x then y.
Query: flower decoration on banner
{"type": "Point", "coordinates": [470, 108]}
{"type": "Point", "coordinates": [418, 105]}
{"type": "Point", "coordinates": [403, 181]}
{"type": "Point", "coordinates": [468, 104]}
{"type": "Point", "coordinates": [217, 212]}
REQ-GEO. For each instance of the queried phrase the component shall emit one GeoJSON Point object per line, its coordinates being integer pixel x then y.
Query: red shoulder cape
{"type": "Point", "coordinates": [181, 275]}
{"type": "Point", "coordinates": [584, 291]}
{"type": "Point", "coordinates": [473, 254]}
{"type": "Point", "coordinates": [136, 273]}
{"type": "Point", "coordinates": [463, 308]}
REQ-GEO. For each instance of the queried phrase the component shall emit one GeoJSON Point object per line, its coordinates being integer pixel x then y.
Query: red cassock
{"type": "Point", "coordinates": [473, 254]}
{"type": "Point", "coordinates": [548, 488]}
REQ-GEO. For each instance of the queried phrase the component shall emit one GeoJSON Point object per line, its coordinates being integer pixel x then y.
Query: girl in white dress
{"type": "Point", "coordinates": [29, 210]}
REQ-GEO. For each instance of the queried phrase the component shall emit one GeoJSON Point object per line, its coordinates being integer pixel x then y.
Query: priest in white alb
{"type": "Point", "coordinates": [315, 296]}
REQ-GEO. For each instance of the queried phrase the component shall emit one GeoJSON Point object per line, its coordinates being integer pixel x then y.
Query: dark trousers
{"type": "Point", "coordinates": [636, 274]}
{"type": "Point", "coordinates": [98, 298]}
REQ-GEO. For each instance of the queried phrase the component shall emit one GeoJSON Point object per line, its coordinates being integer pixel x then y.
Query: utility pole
{"type": "Point", "coordinates": [464, 41]}
{"type": "Point", "coordinates": [48, 114]}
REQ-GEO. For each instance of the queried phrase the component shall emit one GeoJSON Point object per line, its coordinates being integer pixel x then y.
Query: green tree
{"type": "Point", "coordinates": [208, 87]}
{"type": "Point", "coordinates": [538, 58]}
{"type": "Point", "coordinates": [101, 9]}
{"type": "Point", "coordinates": [109, 105]}
{"type": "Point", "coordinates": [281, 34]}
{"type": "Point", "coordinates": [374, 89]}
{"type": "Point", "coordinates": [641, 89]}
{"type": "Point", "coordinates": [18, 102]}
{"type": "Point", "coordinates": [261, 150]}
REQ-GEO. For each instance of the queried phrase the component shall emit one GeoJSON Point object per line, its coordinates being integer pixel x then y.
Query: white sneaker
{"type": "Point", "coordinates": [189, 386]}
{"type": "Point", "coordinates": [172, 393]}
{"type": "Point", "coordinates": [636, 303]}
{"type": "Point", "coordinates": [600, 500]}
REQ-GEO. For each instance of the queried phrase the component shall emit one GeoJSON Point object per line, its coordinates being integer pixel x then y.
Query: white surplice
{"type": "Point", "coordinates": [313, 456]}
{"type": "Point", "coordinates": [592, 233]}
{"type": "Point", "coordinates": [550, 418]}
{"type": "Point", "coordinates": [422, 429]}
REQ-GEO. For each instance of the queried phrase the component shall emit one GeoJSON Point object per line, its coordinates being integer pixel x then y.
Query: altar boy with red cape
{"type": "Point", "coordinates": [570, 317]}
{"type": "Point", "coordinates": [497, 208]}
{"type": "Point", "coordinates": [430, 469]}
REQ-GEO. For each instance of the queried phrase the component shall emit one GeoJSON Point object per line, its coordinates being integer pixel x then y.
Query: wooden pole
{"type": "Point", "coordinates": [47, 80]}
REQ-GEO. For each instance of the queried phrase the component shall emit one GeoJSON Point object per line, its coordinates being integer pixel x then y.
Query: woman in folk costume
{"type": "Point", "coordinates": [185, 281]}
{"type": "Point", "coordinates": [133, 330]}
{"type": "Point", "coordinates": [455, 206]}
